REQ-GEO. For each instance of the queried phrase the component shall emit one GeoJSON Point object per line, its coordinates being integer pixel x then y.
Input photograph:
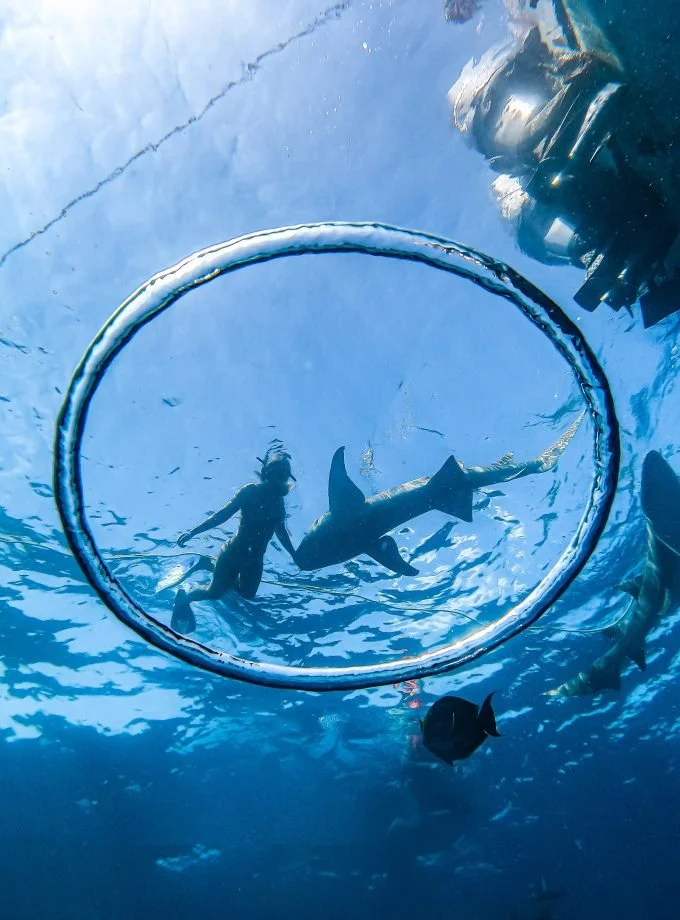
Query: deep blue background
{"type": "Point", "coordinates": [131, 786]}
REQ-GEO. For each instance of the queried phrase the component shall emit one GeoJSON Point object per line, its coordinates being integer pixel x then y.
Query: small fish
{"type": "Point", "coordinates": [454, 728]}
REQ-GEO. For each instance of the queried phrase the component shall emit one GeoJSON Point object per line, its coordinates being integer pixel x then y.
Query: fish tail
{"type": "Point", "coordinates": [487, 718]}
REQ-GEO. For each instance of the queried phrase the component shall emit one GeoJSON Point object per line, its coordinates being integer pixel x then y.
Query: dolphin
{"type": "Point", "coordinates": [355, 525]}
{"type": "Point", "coordinates": [654, 592]}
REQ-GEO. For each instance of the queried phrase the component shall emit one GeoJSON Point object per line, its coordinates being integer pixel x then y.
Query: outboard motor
{"type": "Point", "coordinates": [554, 112]}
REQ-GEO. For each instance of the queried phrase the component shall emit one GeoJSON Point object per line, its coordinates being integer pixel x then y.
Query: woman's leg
{"type": "Point", "coordinates": [224, 578]}
{"type": "Point", "coordinates": [250, 577]}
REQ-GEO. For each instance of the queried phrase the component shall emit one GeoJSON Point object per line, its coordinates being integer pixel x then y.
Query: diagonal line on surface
{"type": "Point", "coordinates": [249, 71]}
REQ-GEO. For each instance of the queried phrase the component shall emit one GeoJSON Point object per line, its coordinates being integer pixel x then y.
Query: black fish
{"type": "Point", "coordinates": [454, 728]}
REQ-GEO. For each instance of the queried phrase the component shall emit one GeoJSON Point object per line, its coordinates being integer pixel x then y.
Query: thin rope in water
{"type": "Point", "coordinates": [589, 629]}
{"type": "Point", "coordinates": [395, 605]}
{"type": "Point", "coordinates": [667, 545]}
{"type": "Point", "coordinates": [305, 586]}
{"type": "Point", "coordinates": [371, 600]}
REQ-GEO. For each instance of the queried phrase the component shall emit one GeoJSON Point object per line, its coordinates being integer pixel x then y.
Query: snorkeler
{"type": "Point", "coordinates": [239, 564]}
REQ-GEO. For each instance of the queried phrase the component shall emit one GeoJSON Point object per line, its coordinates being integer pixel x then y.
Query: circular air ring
{"type": "Point", "coordinates": [164, 289]}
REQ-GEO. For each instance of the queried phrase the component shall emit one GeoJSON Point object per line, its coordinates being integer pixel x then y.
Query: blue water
{"type": "Point", "coordinates": [133, 785]}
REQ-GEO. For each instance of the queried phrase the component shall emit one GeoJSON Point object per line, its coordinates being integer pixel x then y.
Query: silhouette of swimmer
{"type": "Point", "coordinates": [239, 564]}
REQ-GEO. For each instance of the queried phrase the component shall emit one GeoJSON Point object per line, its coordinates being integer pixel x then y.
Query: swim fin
{"type": "Point", "coordinates": [183, 620]}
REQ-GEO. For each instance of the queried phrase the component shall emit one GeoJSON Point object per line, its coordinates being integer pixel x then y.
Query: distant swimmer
{"type": "Point", "coordinates": [239, 564]}
{"type": "Point", "coordinates": [355, 525]}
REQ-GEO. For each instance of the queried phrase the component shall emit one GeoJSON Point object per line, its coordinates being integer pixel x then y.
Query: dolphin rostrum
{"type": "Point", "coordinates": [654, 592]}
{"type": "Point", "coordinates": [355, 525]}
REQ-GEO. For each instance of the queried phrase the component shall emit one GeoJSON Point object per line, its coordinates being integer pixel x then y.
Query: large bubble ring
{"type": "Point", "coordinates": [165, 288]}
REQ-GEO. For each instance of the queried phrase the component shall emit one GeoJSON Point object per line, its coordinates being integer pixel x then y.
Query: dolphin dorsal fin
{"type": "Point", "coordinates": [343, 495]}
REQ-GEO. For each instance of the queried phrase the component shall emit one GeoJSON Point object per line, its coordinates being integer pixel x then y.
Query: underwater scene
{"type": "Point", "coordinates": [340, 460]}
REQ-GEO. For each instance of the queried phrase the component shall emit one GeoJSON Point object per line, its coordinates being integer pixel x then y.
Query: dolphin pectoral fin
{"type": "Point", "coordinates": [633, 649]}
{"type": "Point", "coordinates": [451, 492]}
{"type": "Point", "coordinates": [343, 495]}
{"type": "Point", "coordinates": [636, 653]}
{"type": "Point", "coordinates": [386, 553]}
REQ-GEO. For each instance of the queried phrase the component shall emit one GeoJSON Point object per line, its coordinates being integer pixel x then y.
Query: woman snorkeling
{"type": "Point", "coordinates": [239, 564]}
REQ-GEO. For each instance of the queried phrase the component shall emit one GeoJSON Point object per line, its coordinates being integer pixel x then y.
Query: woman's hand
{"type": "Point", "coordinates": [183, 539]}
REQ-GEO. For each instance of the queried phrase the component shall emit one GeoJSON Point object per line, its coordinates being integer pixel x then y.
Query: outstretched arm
{"type": "Point", "coordinates": [284, 539]}
{"type": "Point", "coordinates": [507, 467]}
{"type": "Point", "coordinates": [504, 470]}
{"type": "Point", "coordinates": [217, 519]}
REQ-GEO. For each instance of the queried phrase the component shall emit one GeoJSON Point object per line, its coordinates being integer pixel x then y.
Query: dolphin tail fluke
{"type": "Point", "coordinates": [487, 718]}
{"type": "Point", "coordinates": [451, 491]}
